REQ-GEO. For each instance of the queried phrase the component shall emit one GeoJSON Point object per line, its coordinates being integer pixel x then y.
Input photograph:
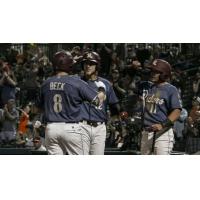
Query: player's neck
{"type": "Point", "coordinates": [91, 77]}
{"type": "Point", "coordinates": [61, 74]}
{"type": "Point", "coordinates": [161, 83]}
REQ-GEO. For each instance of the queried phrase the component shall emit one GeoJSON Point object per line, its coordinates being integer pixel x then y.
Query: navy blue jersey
{"type": "Point", "coordinates": [61, 97]}
{"type": "Point", "coordinates": [89, 112]}
{"type": "Point", "coordinates": [160, 100]}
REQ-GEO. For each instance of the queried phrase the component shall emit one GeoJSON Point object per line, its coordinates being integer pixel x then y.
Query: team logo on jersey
{"type": "Point", "coordinates": [153, 101]}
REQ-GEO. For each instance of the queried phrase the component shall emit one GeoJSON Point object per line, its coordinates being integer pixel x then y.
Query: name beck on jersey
{"type": "Point", "coordinates": [57, 86]}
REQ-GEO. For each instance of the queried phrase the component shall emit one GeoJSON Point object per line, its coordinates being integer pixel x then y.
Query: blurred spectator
{"type": "Point", "coordinates": [179, 125]}
{"type": "Point", "coordinates": [7, 84]}
{"type": "Point", "coordinates": [23, 123]}
{"type": "Point", "coordinates": [31, 81]}
{"type": "Point", "coordinates": [77, 55]}
{"type": "Point", "coordinates": [115, 80]}
{"type": "Point", "coordinates": [196, 88]}
{"type": "Point", "coordinates": [193, 129]}
{"type": "Point", "coordinates": [106, 58]}
{"type": "Point", "coordinates": [194, 118]}
{"type": "Point", "coordinates": [9, 122]}
{"type": "Point", "coordinates": [37, 143]}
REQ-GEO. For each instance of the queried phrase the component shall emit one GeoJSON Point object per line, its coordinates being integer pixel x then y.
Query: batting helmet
{"type": "Point", "coordinates": [163, 67]}
{"type": "Point", "coordinates": [63, 61]}
{"type": "Point", "coordinates": [92, 56]}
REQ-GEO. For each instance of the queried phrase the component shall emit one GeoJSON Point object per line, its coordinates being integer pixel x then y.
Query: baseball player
{"type": "Point", "coordinates": [161, 108]}
{"type": "Point", "coordinates": [61, 97]}
{"type": "Point", "coordinates": [94, 120]}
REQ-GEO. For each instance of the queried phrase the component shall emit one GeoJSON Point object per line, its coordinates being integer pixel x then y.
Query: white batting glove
{"type": "Point", "coordinates": [100, 84]}
{"type": "Point", "coordinates": [37, 124]}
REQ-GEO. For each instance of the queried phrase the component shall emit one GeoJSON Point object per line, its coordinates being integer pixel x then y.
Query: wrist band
{"type": "Point", "coordinates": [167, 123]}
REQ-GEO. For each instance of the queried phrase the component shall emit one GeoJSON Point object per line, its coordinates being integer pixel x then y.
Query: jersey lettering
{"type": "Point", "coordinates": [57, 99]}
{"type": "Point", "coordinates": [57, 86]}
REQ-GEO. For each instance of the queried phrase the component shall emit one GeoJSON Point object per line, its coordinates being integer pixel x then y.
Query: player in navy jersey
{"type": "Point", "coordinates": [61, 98]}
{"type": "Point", "coordinates": [94, 119]}
{"type": "Point", "coordinates": [161, 108]}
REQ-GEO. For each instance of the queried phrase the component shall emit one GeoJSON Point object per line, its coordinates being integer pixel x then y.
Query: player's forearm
{"type": "Point", "coordinates": [174, 115]}
{"type": "Point", "coordinates": [169, 122]}
{"type": "Point", "coordinates": [99, 99]}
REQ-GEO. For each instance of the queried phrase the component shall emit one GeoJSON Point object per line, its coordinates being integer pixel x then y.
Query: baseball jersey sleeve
{"type": "Point", "coordinates": [174, 100]}
{"type": "Point", "coordinates": [86, 92]}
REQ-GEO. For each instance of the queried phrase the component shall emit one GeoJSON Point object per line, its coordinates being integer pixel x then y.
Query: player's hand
{"type": "Point", "coordinates": [37, 124]}
{"type": "Point", "coordinates": [156, 127]}
{"type": "Point", "coordinates": [102, 96]}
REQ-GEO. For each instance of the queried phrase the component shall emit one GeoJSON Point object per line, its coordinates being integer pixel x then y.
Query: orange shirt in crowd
{"type": "Point", "coordinates": [23, 122]}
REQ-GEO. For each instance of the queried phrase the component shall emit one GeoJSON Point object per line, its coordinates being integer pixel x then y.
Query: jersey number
{"type": "Point", "coordinates": [57, 99]}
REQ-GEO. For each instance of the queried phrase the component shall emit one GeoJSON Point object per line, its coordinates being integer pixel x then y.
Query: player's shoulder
{"type": "Point", "coordinates": [77, 81]}
{"type": "Point", "coordinates": [107, 82]}
{"type": "Point", "coordinates": [170, 87]}
{"type": "Point", "coordinates": [48, 80]}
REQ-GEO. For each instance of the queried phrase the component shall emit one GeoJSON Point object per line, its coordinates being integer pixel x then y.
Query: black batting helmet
{"type": "Point", "coordinates": [92, 56]}
{"type": "Point", "coordinates": [163, 67]}
{"type": "Point", "coordinates": [63, 61]}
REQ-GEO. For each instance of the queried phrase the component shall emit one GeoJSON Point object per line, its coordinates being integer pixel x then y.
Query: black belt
{"type": "Point", "coordinates": [92, 123]}
{"type": "Point", "coordinates": [63, 122]}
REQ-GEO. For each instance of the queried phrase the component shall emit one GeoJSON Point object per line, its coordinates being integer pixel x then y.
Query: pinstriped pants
{"type": "Point", "coordinates": [163, 143]}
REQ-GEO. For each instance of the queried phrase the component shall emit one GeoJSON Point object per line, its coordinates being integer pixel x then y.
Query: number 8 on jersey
{"type": "Point", "coordinates": [57, 99]}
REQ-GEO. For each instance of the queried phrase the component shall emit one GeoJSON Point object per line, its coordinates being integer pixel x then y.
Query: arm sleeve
{"type": "Point", "coordinates": [175, 100]}
{"type": "Point", "coordinates": [87, 93]}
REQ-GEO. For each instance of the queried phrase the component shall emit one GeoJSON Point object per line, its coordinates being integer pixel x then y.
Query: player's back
{"type": "Point", "coordinates": [61, 99]}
